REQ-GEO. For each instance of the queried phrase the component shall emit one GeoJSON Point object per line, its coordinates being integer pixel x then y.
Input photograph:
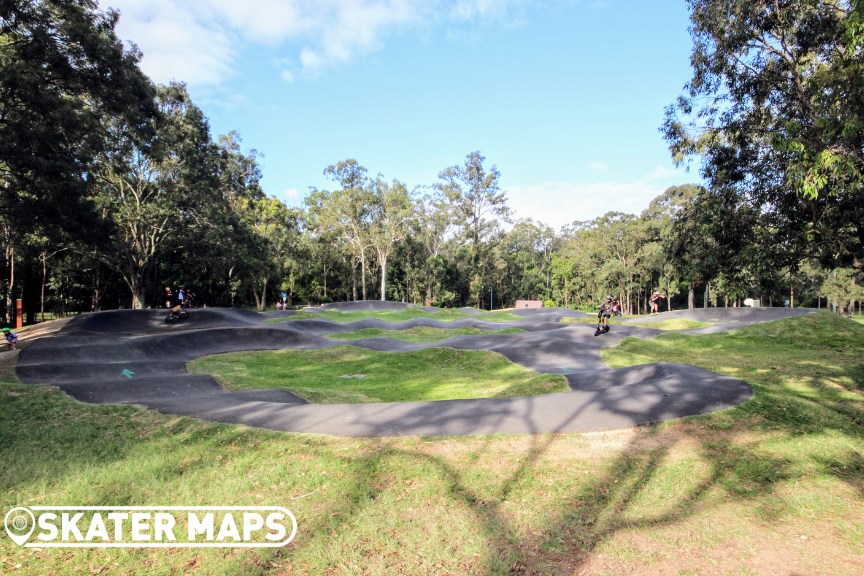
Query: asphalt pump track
{"type": "Point", "coordinates": [134, 357]}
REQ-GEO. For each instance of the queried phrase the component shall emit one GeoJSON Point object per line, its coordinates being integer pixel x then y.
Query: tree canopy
{"type": "Point", "coordinates": [113, 192]}
{"type": "Point", "coordinates": [64, 76]}
{"type": "Point", "coordinates": [775, 110]}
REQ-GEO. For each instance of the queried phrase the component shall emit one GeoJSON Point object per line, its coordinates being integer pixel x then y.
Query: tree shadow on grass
{"type": "Point", "coordinates": [596, 508]}
{"type": "Point", "coordinates": [598, 503]}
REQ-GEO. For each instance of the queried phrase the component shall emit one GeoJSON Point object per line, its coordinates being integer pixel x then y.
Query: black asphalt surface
{"type": "Point", "coordinates": [134, 357]}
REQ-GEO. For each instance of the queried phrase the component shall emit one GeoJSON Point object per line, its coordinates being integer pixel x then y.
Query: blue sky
{"type": "Point", "coordinates": [565, 97]}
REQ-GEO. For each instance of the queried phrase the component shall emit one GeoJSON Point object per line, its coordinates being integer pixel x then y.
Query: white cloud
{"type": "Point", "coordinates": [267, 21]}
{"type": "Point", "coordinates": [471, 9]}
{"type": "Point", "coordinates": [560, 203]}
{"type": "Point", "coordinates": [177, 43]}
{"type": "Point", "coordinates": [199, 42]}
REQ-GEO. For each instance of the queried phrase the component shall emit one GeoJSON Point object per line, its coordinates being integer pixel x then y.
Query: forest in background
{"type": "Point", "coordinates": [112, 188]}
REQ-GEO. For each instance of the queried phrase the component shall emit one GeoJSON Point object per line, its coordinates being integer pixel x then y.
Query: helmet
{"type": "Point", "coordinates": [6, 330]}
{"type": "Point", "coordinates": [609, 297]}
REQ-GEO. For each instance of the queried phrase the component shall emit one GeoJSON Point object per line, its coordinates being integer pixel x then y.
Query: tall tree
{"type": "Point", "coordinates": [391, 210]}
{"type": "Point", "coordinates": [150, 194]}
{"type": "Point", "coordinates": [275, 227]}
{"type": "Point", "coordinates": [479, 204]}
{"type": "Point", "coordinates": [435, 225]}
{"type": "Point", "coordinates": [63, 74]}
{"type": "Point", "coordinates": [347, 213]}
{"type": "Point", "coordinates": [775, 109]}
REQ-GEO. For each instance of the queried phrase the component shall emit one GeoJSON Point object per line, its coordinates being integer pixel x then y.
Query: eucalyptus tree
{"type": "Point", "coordinates": [693, 250]}
{"type": "Point", "coordinates": [346, 214]}
{"type": "Point", "coordinates": [63, 75]}
{"type": "Point", "coordinates": [687, 245]}
{"type": "Point", "coordinates": [775, 110]}
{"type": "Point", "coordinates": [842, 288]}
{"type": "Point", "coordinates": [528, 249]}
{"type": "Point", "coordinates": [479, 206]}
{"type": "Point", "coordinates": [564, 282]}
{"type": "Point", "coordinates": [616, 243]}
{"type": "Point", "coordinates": [580, 262]}
{"type": "Point", "coordinates": [276, 232]}
{"type": "Point", "coordinates": [435, 224]}
{"type": "Point", "coordinates": [149, 194]}
{"type": "Point", "coordinates": [391, 210]}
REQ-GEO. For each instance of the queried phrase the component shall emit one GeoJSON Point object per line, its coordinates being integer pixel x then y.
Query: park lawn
{"type": "Point", "coordinates": [348, 374]}
{"type": "Point", "coordinates": [774, 486]}
{"type": "Point", "coordinates": [672, 324]}
{"type": "Point", "coordinates": [419, 334]}
{"type": "Point", "coordinates": [580, 320]}
{"type": "Point", "coordinates": [409, 313]}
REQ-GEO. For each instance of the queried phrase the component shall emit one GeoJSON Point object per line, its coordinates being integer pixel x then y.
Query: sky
{"type": "Point", "coordinates": [564, 97]}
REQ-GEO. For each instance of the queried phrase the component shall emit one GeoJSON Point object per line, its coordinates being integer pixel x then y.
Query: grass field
{"type": "Point", "coordinates": [775, 486]}
{"type": "Point", "coordinates": [670, 324]}
{"type": "Point", "coordinates": [347, 374]}
{"type": "Point", "coordinates": [419, 334]}
{"type": "Point", "coordinates": [443, 315]}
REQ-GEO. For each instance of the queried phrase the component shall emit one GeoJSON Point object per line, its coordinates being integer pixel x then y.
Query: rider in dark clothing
{"type": "Point", "coordinates": [607, 309]}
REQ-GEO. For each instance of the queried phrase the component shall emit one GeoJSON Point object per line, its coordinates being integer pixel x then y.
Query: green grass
{"type": "Point", "coordinates": [794, 365]}
{"type": "Point", "coordinates": [347, 374]}
{"type": "Point", "coordinates": [419, 334]}
{"type": "Point", "coordinates": [443, 315]}
{"type": "Point", "coordinates": [774, 483]}
{"type": "Point", "coordinates": [672, 324]}
{"type": "Point", "coordinates": [582, 320]}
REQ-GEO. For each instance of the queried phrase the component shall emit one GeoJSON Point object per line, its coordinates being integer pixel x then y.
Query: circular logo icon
{"type": "Point", "coordinates": [20, 524]}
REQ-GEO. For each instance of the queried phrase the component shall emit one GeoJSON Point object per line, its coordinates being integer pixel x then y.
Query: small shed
{"type": "Point", "coordinates": [528, 304]}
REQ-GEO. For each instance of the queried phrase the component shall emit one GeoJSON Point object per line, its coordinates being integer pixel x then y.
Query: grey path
{"type": "Point", "coordinates": [133, 356]}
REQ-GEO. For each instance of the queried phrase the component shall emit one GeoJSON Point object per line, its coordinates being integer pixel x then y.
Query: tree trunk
{"type": "Point", "coordinates": [138, 290]}
{"type": "Point", "coordinates": [261, 300]}
{"type": "Point", "coordinates": [44, 258]}
{"type": "Point", "coordinates": [363, 274]}
{"type": "Point", "coordinates": [231, 288]}
{"type": "Point", "coordinates": [325, 281]}
{"type": "Point", "coordinates": [96, 304]}
{"type": "Point", "coordinates": [383, 262]}
{"type": "Point", "coordinates": [691, 298]}
{"type": "Point", "coordinates": [10, 290]}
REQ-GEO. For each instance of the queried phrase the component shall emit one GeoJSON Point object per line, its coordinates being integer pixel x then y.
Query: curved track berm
{"type": "Point", "coordinates": [133, 356]}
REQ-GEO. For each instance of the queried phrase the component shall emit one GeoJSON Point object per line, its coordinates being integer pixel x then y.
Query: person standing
{"type": "Point", "coordinates": [655, 303]}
